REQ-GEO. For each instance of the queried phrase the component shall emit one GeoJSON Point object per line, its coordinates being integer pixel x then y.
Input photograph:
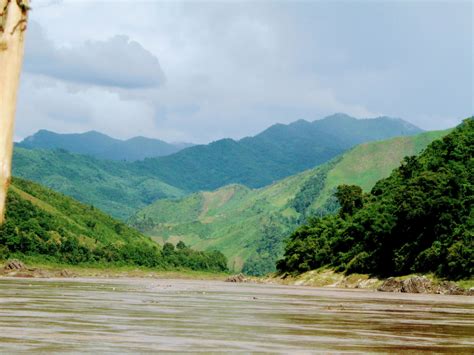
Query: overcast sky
{"type": "Point", "coordinates": [200, 71]}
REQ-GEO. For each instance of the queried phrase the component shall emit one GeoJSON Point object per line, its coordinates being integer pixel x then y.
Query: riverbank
{"type": "Point", "coordinates": [15, 268]}
{"type": "Point", "coordinates": [327, 278]}
{"type": "Point", "coordinates": [323, 278]}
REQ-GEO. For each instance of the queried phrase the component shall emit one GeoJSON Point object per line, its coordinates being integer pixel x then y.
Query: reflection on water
{"type": "Point", "coordinates": [149, 315]}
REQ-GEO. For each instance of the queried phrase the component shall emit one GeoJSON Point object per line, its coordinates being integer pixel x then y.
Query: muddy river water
{"type": "Point", "coordinates": [143, 315]}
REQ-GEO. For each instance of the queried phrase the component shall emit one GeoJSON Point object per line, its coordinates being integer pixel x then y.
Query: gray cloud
{"type": "Point", "coordinates": [116, 62]}
{"type": "Point", "coordinates": [234, 68]}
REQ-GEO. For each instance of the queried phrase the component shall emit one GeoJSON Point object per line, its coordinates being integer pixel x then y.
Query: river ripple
{"type": "Point", "coordinates": [143, 315]}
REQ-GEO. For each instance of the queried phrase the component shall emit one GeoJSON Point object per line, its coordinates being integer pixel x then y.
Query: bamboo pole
{"type": "Point", "coordinates": [13, 20]}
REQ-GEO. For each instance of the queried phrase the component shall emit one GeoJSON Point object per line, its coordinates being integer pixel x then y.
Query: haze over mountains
{"type": "Point", "coordinates": [120, 188]}
{"type": "Point", "coordinates": [101, 146]}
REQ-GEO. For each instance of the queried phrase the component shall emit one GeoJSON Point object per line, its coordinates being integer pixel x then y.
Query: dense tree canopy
{"type": "Point", "coordinates": [420, 219]}
{"type": "Point", "coordinates": [54, 227]}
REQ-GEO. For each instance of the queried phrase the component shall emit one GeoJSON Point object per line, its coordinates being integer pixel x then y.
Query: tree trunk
{"type": "Point", "coordinates": [13, 20]}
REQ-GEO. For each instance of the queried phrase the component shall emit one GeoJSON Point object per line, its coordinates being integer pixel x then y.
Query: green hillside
{"type": "Point", "coordinates": [101, 146]}
{"type": "Point", "coordinates": [278, 152]}
{"type": "Point", "coordinates": [249, 226]}
{"type": "Point", "coordinates": [111, 186]}
{"type": "Point", "coordinates": [51, 226]}
{"type": "Point", "coordinates": [121, 189]}
{"type": "Point", "coordinates": [419, 219]}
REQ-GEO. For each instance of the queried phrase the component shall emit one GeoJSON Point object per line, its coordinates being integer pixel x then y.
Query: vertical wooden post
{"type": "Point", "coordinates": [13, 20]}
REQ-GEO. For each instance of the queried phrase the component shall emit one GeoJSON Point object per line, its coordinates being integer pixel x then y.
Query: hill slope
{"type": "Point", "coordinates": [101, 146]}
{"type": "Point", "coordinates": [121, 188]}
{"type": "Point", "coordinates": [249, 226]}
{"type": "Point", "coordinates": [111, 186]}
{"type": "Point", "coordinates": [419, 219]}
{"type": "Point", "coordinates": [278, 152]}
{"type": "Point", "coordinates": [43, 223]}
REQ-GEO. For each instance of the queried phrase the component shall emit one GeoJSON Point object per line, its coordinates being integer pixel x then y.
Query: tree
{"type": "Point", "coordinates": [350, 198]}
{"type": "Point", "coordinates": [168, 249]}
{"type": "Point", "coordinates": [181, 245]}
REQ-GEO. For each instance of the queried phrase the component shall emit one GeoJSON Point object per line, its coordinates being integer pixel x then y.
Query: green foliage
{"type": "Point", "coordinates": [419, 219]}
{"type": "Point", "coordinates": [111, 186]}
{"type": "Point", "coordinates": [250, 226]}
{"type": "Point", "coordinates": [350, 199]}
{"type": "Point", "coordinates": [311, 188]}
{"type": "Point", "coordinates": [40, 222]}
{"type": "Point", "coordinates": [269, 247]}
{"type": "Point", "coordinates": [121, 188]}
{"type": "Point", "coordinates": [278, 152]}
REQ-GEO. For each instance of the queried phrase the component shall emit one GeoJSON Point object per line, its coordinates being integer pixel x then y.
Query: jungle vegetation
{"type": "Point", "coordinates": [56, 228]}
{"type": "Point", "coordinates": [419, 219]}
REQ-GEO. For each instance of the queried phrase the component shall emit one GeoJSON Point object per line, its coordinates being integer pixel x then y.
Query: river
{"type": "Point", "coordinates": [143, 315]}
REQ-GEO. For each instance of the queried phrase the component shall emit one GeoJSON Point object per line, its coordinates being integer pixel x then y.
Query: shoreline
{"type": "Point", "coordinates": [324, 278]}
{"type": "Point", "coordinates": [416, 283]}
{"type": "Point", "coordinates": [59, 271]}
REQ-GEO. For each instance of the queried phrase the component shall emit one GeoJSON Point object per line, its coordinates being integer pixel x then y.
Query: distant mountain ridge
{"type": "Point", "coordinates": [278, 152]}
{"type": "Point", "coordinates": [121, 188]}
{"type": "Point", "coordinates": [101, 146]}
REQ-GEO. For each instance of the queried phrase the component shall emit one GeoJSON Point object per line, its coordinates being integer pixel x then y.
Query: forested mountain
{"type": "Point", "coordinates": [278, 152]}
{"type": "Point", "coordinates": [101, 146]}
{"type": "Point", "coordinates": [419, 219]}
{"type": "Point", "coordinates": [249, 226]}
{"type": "Point", "coordinates": [121, 188]}
{"type": "Point", "coordinates": [48, 225]}
{"type": "Point", "coordinates": [113, 187]}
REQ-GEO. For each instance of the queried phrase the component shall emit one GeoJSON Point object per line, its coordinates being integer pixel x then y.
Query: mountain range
{"type": "Point", "coordinates": [101, 146]}
{"type": "Point", "coordinates": [278, 152]}
{"type": "Point", "coordinates": [121, 188]}
{"type": "Point", "coordinates": [250, 225]}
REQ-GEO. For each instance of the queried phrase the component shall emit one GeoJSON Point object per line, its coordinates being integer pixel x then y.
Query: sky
{"type": "Point", "coordinates": [192, 71]}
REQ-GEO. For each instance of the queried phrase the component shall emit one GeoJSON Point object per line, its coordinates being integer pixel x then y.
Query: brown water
{"type": "Point", "coordinates": [141, 315]}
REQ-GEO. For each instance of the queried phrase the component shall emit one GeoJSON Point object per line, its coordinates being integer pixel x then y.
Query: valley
{"type": "Point", "coordinates": [250, 225]}
{"type": "Point", "coordinates": [236, 177]}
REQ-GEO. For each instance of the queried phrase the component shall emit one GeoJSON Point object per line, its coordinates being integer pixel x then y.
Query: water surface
{"type": "Point", "coordinates": [142, 315]}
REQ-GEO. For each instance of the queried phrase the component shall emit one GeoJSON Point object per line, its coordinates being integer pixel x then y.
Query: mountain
{"type": "Point", "coordinates": [101, 146]}
{"type": "Point", "coordinates": [420, 219]}
{"type": "Point", "coordinates": [249, 225]}
{"type": "Point", "coordinates": [45, 225]}
{"type": "Point", "coordinates": [278, 152]}
{"type": "Point", "coordinates": [111, 186]}
{"type": "Point", "coordinates": [121, 188]}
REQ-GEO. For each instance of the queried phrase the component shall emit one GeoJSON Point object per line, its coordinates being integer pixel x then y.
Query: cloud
{"type": "Point", "coordinates": [234, 68]}
{"type": "Point", "coordinates": [116, 62]}
{"type": "Point", "coordinates": [47, 103]}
